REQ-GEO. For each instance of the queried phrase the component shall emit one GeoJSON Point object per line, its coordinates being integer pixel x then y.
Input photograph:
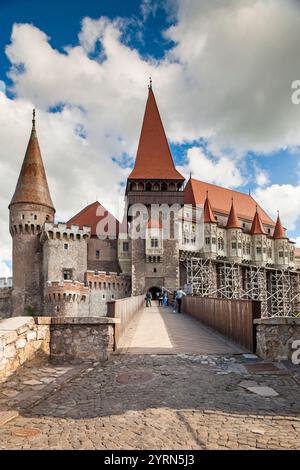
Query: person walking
{"type": "Point", "coordinates": [148, 299]}
{"type": "Point", "coordinates": [160, 299]}
{"type": "Point", "coordinates": [165, 300]}
{"type": "Point", "coordinates": [179, 294]}
{"type": "Point", "coordinates": [174, 302]}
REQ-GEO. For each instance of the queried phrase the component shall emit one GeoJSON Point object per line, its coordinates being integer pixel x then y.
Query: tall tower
{"type": "Point", "coordinates": [30, 207]}
{"type": "Point", "coordinates": [154, 180]}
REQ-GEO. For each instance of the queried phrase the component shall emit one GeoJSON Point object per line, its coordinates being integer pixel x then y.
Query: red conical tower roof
{"type": "Point", "coordinates": [208, 215]}
{"type": "Point", "coordinates": [154, 159]}
{"type": "Point", "coordinates": [32, 186]}
{"type": "Point", "coordinates": [279, 232]}
{"type": "Point", "coordinates": [257, 226]}
{"type": "Point", "coordinates": [233, 221]}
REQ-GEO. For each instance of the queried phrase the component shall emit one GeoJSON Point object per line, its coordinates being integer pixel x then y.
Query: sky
{"type": "Point", "coordinates": [222, 74]}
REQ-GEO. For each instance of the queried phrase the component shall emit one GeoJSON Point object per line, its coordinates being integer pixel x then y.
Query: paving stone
{"type": "Point", "coordinates": [6, 416]}
{"type": "Point", "coordinates": [263, 391]}
{"type": "Point", "coordinates": [32, 382]}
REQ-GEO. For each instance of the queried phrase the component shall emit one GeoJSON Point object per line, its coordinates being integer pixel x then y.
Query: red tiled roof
{"type": "Point", "coordinates": [91, 215]}
{"type": "Point", "coordinates": [32, 186]}
{"type": "Point", "coordinates": [221, 200]}
{"type": "Point", "coordinates": [154, 224]}
{"type": "Point", "coordinates": [208, 215]}
{"type": "Point", "coordinates": [232, 221]}
{"type": "Point", "coordinates": [154, 159]}
{"type": "Point", "coordinates": [279, 231]}
{"type": "Point", "coordinates": [257, 226]}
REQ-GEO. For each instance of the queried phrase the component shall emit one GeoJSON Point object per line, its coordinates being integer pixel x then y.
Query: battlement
{"type": "Point", "coordinates": [62, 231]}
{"type": "Point", "coordinates": [65, 291]}
{"type": "Point", "coordinates": [6, 282]}
{"type": "Point", "coordinates": [104, 280]}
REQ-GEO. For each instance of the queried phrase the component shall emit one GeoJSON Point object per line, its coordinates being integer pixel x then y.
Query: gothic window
{"type": "Point", "coordinates": [213, 241]}
{"type": "Point", "coordinates": [258, 249]}
{"type": "Point", "coordinates": [207, 240]}
{"type": "Point", "coordinates": [125, 246]}
{"type": "Point", "coordinates": [67, 274]}
{"type": "Point", "coordinates": [154, 242]}
{"type": "Point", "coordinates": [233, 245]}
{"type": "Point", "coordinates": [220, 243]}
{"type": "Point", "coordinates": [269, 252]}
{"type": "Point", "coordinates": [164, 187]}
{"type": "Point", "coordinates": [248, 248]}
{"type": "Point", "coordinates": [148, 187]}
{"type": "Point", "coordinates": [156, 187]}
{"type": "Point", "coordinates": [280, 254]}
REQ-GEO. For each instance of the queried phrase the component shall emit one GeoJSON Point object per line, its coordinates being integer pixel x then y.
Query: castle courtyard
{"type": "Point", "coordinates": [169, 394]}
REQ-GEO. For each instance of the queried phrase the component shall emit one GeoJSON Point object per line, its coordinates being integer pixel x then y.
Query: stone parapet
{"type": "Point", "coordinates": [21, 340]}
{"type": "Point", "coordinates": [275, 337]}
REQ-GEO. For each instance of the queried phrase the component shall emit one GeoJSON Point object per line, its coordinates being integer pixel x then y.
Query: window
{"type": "Point", "coordinates": [207, 241]}
{"type": "Point", "coordinates": [244, 225]}
{"type": "Point", "coordinates": [220, 243]}
{"type": "Point", "coordinates": [154, 270]}
{"type": "Point", "coordinates": [239, 246]}
{"type": "Point", "coordinates": [213, 241]}
{"type": "Point", "coordinates": [23, 217]}
{"type": "Point", "coordinates": [269, 231]}
{"type": "Point", "coordinates": [248, 248]}
{"type": "Point", "coordinates": [67, 274]}
{"type": "Point", "coordinates": [97, 254]}
{"type": "Point", "coordinates": [233, 245]}
{"type": "Point", "coordinates": [270, 252]}
{"type": "Point", "coordinates": [112, 296]}
{"type": "Point", "coordinates": [125, 246]}
{"type": "Point", "coordinates": [35, 217]}
{"type": "Point", "coordinates": [154, 242]}
{"type": "Point", "coordinates": [258, 250]}
{"type": "Point", "coordinates": [291, 256]}
{"type": "Point", "coordinates": [66, 246]}
{"type": "Point", "coordinates": [280, 254]}
{"type": "Point", "coordinates": [244, 248]}
{"type": "Point", "coordinates": [47, 217]}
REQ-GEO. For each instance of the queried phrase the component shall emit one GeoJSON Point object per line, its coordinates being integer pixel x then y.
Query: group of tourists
{"type": "Point", "coordinates": [163, 299]}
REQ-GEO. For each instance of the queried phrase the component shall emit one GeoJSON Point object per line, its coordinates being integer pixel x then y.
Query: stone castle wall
{"type": "Point", "coordinates": [5, 302]}
{"type": "Point", "coordinates": [21, 340]}
{"type": "Point", "coordinates": [275, 337]}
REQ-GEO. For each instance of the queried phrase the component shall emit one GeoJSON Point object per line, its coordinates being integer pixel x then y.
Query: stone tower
{"type": "Point", "coordinates": [154, 180]}
{"type": "Point", "coordinates": [30, 207]}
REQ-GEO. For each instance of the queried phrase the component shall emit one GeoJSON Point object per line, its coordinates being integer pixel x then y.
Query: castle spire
{"type": "Point", "coordinates": [279, 232]}
{"type": "Point", "coordinates": [233, 221]}
{"type": "Point", "coordinates": [257, 226]}
{"type": "Point", "coordinates": [154, 159]}
{"type": "Point", "coordinates": [32, 186]}
{"type": "Point", "coordinates": [208, 215]}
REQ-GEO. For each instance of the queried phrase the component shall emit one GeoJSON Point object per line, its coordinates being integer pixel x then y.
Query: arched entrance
{"type": "Point", "coordinates": [155, 291]}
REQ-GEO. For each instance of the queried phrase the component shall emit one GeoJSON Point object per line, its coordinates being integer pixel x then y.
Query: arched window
{"type": "Point", "coordinates": [164, 186]}
{"type": "Point", "coordinates": [148, 187]}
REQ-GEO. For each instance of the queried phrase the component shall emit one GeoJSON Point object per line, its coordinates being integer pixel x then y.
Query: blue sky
{"type": "Point", "coordinates": [222, 80]}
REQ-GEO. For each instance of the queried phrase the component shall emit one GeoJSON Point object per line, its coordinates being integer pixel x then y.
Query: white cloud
{"type": "Point", "coordinates": [262, 176]}
{"type": "Point", "coordinates": [297, 240]}
{"type": "Point", "coordinates": [222, 171]}
{"type": "Point", "coordinates": [227, 79]}
{"type": "Point", "coordinates": [284, 198]}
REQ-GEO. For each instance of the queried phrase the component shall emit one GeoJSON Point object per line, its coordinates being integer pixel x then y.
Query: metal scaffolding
{"type": "Point", "coordinates": [277, 290]}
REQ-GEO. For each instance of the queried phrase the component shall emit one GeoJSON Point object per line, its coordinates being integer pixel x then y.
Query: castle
{"type": "Point", "coordinates": [66, 269]}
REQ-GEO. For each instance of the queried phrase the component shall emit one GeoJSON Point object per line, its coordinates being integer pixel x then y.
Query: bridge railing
{"type": "Point", "coordinates": [232, 318]}
{"type": "Point", "coordinates": [125, 309]}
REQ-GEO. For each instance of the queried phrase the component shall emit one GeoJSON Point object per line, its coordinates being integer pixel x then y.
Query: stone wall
{"type": "Point", "coordinates": [80, 339]}
{"type": "Point", "coordinates": [5, 302]}
{"type": "Point", "coordinates": [21, 340]}
{"type": "Point", "coordinates": [274, 337]}
{"type": "Point", "coordinates": [76, 340]}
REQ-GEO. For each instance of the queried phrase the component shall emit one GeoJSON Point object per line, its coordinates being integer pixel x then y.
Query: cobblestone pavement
{"type": "Point", "coordinates": [158, 402]}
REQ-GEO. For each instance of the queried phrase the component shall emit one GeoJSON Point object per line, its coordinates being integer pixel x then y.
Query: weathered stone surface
{"type": "Point", "coordinates": [6, 416]}
{"type": "Point", "coordinates": [31, 335]}
{"type": "Point", "coordinates": [275, 337]}
{"type": "Point", "coordinates": [263, 391]}
{"type": "Point", "coordinates": [21, 343]}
